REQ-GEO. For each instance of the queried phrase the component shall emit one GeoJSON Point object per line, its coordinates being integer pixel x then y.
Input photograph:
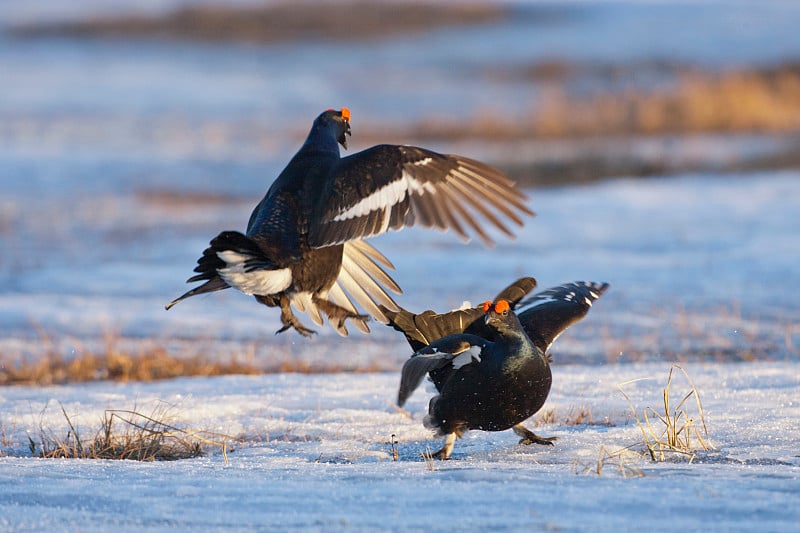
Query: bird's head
{"type": "Point", "coordinates": [338, 122]}
{"type": "Point", "coordinates": [498, 314]}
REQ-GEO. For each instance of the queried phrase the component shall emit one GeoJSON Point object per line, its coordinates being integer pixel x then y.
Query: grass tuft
{"type": "Point", "coordinates": [430, 462]}
{"type": "Point", "coordinates": [127, 435]}
{"type": "Point", "coordinates": [612, 459]}
{"type": "Point", "coordinates": [575, 416]}
{"type": "Point", "coordinates": [679, 429]}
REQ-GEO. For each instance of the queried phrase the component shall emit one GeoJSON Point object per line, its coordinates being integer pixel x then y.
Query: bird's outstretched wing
{"type": "Point", "coordinates": [456, 351]}
{"type": "Point", "coordinates": [388, 187]}
{"type": "Point", "coordinates": [546, 314]}
{"type": "Point", "coordinates": [424, 328]}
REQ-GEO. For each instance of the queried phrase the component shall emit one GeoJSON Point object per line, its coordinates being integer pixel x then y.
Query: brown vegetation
{"type": "Point", "coordinates": [127, 434]}
{"type": "Point", "coordinates": [742, 100]}
{"type": "Point", "coordinates": [149, 361]}
{"type": "Point", "coordinates": [273, 22]}
{"type": "Point", "coordinates": [680, 429]}
{"type": "Point", "coordinates": [150, 365]}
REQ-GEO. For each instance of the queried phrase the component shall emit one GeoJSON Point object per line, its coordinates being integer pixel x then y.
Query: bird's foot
{"type": "Point", "coordinates": [290, 321]}
{"type": "Point", "coordinates": [446, 450]}
{"type": "Point", "coordinates": [438, 454]}
{"type": "Point", "coordinates": [529, 437]}
{"type": "Point", "coordinates": [337, 315]}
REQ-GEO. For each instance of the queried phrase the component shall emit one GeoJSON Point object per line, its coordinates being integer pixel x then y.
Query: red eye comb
{"type": "Point", "coordinates": [486, 306]}
{"type": "Point", "coordinates": [501, 307]}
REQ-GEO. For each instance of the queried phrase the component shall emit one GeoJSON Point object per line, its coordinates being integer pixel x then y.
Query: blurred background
{"type": "Point", "coordinates": [133, 131]}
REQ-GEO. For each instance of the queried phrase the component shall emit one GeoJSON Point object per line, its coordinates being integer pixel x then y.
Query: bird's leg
{"type": "Point", "coordinates": [336, 313]}
{"type": "Point", "coordinates": [529, 437]}
{"type": "Point", "coordinates": [447, 449]}
{"type": "Point", "coordinates": [290, 321]}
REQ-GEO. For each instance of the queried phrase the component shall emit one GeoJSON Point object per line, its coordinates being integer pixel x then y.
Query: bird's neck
{"type": "Point", "coordinates": [519, 343]}
{"type": "Point", "coordinates": [320, 139]}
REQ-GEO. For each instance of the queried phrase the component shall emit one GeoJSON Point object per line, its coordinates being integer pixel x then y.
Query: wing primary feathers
{"type": "Point", "coordinates": [448, 213]}
{"type": "Point", "coordinates": [500, 184]}
{"type": "Point", "coordinates": [465, 215]}
{"type": "Point", "coordinates": [497, 201]}
{"type": "Point", "coordinates": [468, 196]}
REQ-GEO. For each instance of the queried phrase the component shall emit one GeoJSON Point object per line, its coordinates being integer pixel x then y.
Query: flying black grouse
{"type": "Point", "coordinates": [304, 241]}
{"type": "Point", "coordinates": [489, 385]}
{"type": "Point", "coordinates": [451, 348]}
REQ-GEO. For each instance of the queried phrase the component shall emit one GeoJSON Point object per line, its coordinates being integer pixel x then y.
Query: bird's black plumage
{"type": "Point", "coordinates": [491, 385]}
{"type": "Point", "coordinates": [304, 246]}
{"type": "Point", "coordinates": [542, 317]}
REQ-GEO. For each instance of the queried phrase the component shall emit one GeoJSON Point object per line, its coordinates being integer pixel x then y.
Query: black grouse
{"type": "Point", "coordinates": [304, 241]}
{"type": "Point", "coordinates": [542, 317]}
{"type": "Point", "coordinates": [492, 385]}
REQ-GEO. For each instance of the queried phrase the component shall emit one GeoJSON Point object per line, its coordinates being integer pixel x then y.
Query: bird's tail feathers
{"type": "Point", "coordinates": [214, 284]}
{"type": "Point", "coordinates": [210, 263]}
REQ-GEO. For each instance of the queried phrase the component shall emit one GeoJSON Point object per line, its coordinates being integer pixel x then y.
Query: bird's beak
{"type": "Point", "coordinates": [343, 138]}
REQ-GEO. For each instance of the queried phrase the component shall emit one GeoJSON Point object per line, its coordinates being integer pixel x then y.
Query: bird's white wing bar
{"type": "Point", "coordinates": [473, 353]}
{"type": "Point", "coordinates": [389, 187]}
{"type": "Point", "coordinates": [387, 197]}
{"type": "Point", "coordinates": [579, 293]}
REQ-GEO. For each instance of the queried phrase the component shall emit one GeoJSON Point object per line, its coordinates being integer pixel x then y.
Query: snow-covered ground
{"type": "Point", "coordinates": [120, 160]}
{"type": "Point", "coordinates": [315, 455]}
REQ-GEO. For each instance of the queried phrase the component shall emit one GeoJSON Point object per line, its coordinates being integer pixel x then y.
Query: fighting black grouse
{"type": "Point", "coordinates": [542, 317]}
{"type": "Point", "coordinates": [489, 385]}
{"type": "Point", "coordinates": [304, 245]}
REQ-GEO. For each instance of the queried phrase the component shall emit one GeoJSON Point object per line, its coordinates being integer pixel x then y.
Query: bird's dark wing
{"type": "Point", "coordinates": [547, 314]}
{"type": "Point", "coordinates": [453, 351]}
{"type": "Point", "coordinates": [424, 328]}
{"type": "Point", "coordinates": [389, 187]}
{"type": "Point", "coordinates": [516, 291]}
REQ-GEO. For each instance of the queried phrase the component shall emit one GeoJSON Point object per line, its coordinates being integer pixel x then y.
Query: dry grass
{"type": "Point", "coordinates": [574, 416]}
{"type": "Point", "coordinates": [679, 429]}
{"type": "Point", "coordinates": [278, 21]}
{"type": "Point", "coordinates": [127, 434]}
{"type": "Point", "coordinates": [123, 360]}
{"type": "Point", "coordinates": [616, 460]}
{"type": "Point", "coordinates": [743, 100]}
{"type": "Point", "coordinates": [430, 461]}
{"type": "Point", "coordinates": [113, 365]}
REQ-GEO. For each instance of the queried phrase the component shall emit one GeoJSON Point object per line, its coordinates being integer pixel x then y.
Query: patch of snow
{"type": "Point", "coordinates": [316, 454]}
